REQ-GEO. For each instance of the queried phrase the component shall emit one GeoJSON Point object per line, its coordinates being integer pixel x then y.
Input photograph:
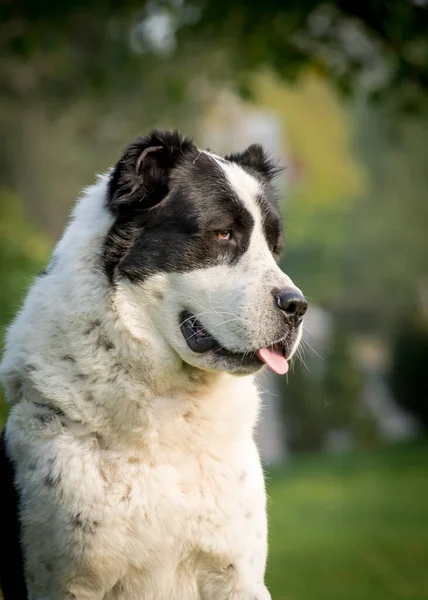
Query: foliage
{"type": "Point", "coordinates": [365, 256]}
{"type": "Point", "coordinates": [318, 131]}
{"type": "Point", "coordinates": [379, 45]}
{"type": "Point", "coordinates": [350, 527]}
{"type": "Point", "coordinates": [319, 404]}
{"type": "Point", "coordinates": [23, 253]}
{"type": "Point", "coordinates": [302, 409]}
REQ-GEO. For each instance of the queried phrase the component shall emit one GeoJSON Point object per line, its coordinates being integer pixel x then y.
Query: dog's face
{"type": "Point", "coordinates": [195, 246]}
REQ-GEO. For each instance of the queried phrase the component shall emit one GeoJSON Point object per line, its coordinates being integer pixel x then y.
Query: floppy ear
{"type": "Point", "coordinates": [256, 160]}
{"type": "Point", "coordinates": [141, 177]}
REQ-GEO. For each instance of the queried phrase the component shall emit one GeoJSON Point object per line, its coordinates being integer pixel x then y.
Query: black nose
{"type": "Point", "coordinates": [293, 304]}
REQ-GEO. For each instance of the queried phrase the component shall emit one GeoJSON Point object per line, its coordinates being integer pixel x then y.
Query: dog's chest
{"type": "Point", "coordinates": [179, 500]}
{"type": "Point", "coordinates": [194, 478]}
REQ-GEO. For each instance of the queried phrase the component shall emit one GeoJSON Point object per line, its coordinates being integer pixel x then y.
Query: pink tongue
{"type": "Point", "coordinates": [274, 359]}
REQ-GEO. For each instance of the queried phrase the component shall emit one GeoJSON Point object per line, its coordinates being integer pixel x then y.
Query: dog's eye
{"type": "Point", "coordinates": [224, 234]}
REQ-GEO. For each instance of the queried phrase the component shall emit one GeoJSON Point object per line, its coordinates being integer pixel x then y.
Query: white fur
{"type": "Point", "coordinates": [150, 485]}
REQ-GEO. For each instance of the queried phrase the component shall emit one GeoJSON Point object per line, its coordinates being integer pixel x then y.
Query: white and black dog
{"type": "Point", "coordinates": [129, 468]}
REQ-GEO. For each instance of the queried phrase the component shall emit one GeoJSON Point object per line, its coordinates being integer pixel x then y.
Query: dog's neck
{"type": "Point", "coordinates": [81, 358]}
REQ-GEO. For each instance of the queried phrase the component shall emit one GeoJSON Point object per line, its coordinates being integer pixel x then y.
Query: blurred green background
{"type": "Point", "coordinates": [339, 91]}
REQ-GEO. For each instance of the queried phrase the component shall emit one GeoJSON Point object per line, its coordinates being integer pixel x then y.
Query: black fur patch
{"type": "Point", "coordinates": [49, 409]}
{"type": "Point", "coordinates": [69, 358]}
{"type": "Point", "coordinates": [256, 161]}
{"type": "Point", "coordinates": [169, 200]}
{"type": "Point", "coordinates": [86, 525]}
{"type": "Point", "coordinates": [51, 481]}
{"type": "Point", "coordinates": [105, 343]}
{"type": "Point", "coordinates": [46, 418]}
{"type": "Point", "coordinates": [141, 177]}
{"type": "Point", "coordinates": [92, 326]}
{"type": "Point", "coordinates": [11, 565]}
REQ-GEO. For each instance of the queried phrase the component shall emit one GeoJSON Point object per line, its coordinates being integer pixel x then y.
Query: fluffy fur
{"type": "Point", "coordinates": [133, 455]}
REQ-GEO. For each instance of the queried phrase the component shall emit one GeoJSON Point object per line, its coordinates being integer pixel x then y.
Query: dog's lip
{"type": "Point", "coordinates": [196, 336]}
{"type": "Point", "coordinates": [201, 341]}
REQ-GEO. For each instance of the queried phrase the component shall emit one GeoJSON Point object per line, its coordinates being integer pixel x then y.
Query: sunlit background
{"type": "Point", "coordinates": [339, 92]}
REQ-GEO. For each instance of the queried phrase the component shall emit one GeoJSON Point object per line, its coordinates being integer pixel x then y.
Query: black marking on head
{"type": "Point", "coordinates": [12, 580]}
{"type": "Point", "coordinates": [141, 177]}
{"type": "Point", "coordinates": [256, 161]}
{"type": "Point", "coordinates": [175, 229]}
{"type": "Point", "coordinates": [272, 226]}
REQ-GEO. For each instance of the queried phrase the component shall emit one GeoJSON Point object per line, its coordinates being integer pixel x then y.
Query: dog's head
{"type": "Point", "coordinates": [195, 245]}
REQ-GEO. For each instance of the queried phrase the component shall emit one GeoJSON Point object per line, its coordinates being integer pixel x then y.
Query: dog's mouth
{"type": "Point", "coordinates": [199, 340]}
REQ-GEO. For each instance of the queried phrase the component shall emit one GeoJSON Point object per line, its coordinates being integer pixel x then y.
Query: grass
{"type": "Point", "coordinates": [351, 528]}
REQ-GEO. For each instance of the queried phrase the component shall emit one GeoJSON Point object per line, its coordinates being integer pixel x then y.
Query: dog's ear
{"type": "Point", "coordinates": [256, 159]}
{"type": "Point", "coordinates": [141, 177]}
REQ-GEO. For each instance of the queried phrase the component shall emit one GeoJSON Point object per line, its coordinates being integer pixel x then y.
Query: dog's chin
{"type": "Point", "coordinates": [199, 349]}
{"type": "Point", "coordinates": [235, 364]}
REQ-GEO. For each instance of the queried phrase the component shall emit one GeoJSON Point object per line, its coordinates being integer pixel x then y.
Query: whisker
{"type": "Point", "coordinates": [300, 355]}
{"type": "Point", "coordinates": [305, 341]}
{"type": "Point", "coordinates": [215, 326]}
{"type": "Point", "coordinates": [221, 307]}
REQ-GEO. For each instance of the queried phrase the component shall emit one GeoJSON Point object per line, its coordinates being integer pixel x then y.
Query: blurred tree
{"type": "Point", "coordinates": [408, 378]}
{"type": "Point", "coordinates": [380, 45]}
{"type": "Point", "coordinates": [364, 254]}
{"type": "Point", "coordinates": [23, 252]}
{"type": "Point", "coordinates": [342, 390]}
{"type": "Point", "coordinates": [342, 382]}
{"type": "Point", "coordinates": [318, 406]}
{"type": "Point", "coordinates": [302, 408]}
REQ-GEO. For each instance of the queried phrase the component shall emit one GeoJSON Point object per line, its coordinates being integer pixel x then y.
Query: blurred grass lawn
{"type": "Point", "coordinates": [351, 527]}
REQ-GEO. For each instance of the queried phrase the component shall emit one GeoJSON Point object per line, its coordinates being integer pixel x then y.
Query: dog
{"type": "Point", "coordinates": [129, 466]}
